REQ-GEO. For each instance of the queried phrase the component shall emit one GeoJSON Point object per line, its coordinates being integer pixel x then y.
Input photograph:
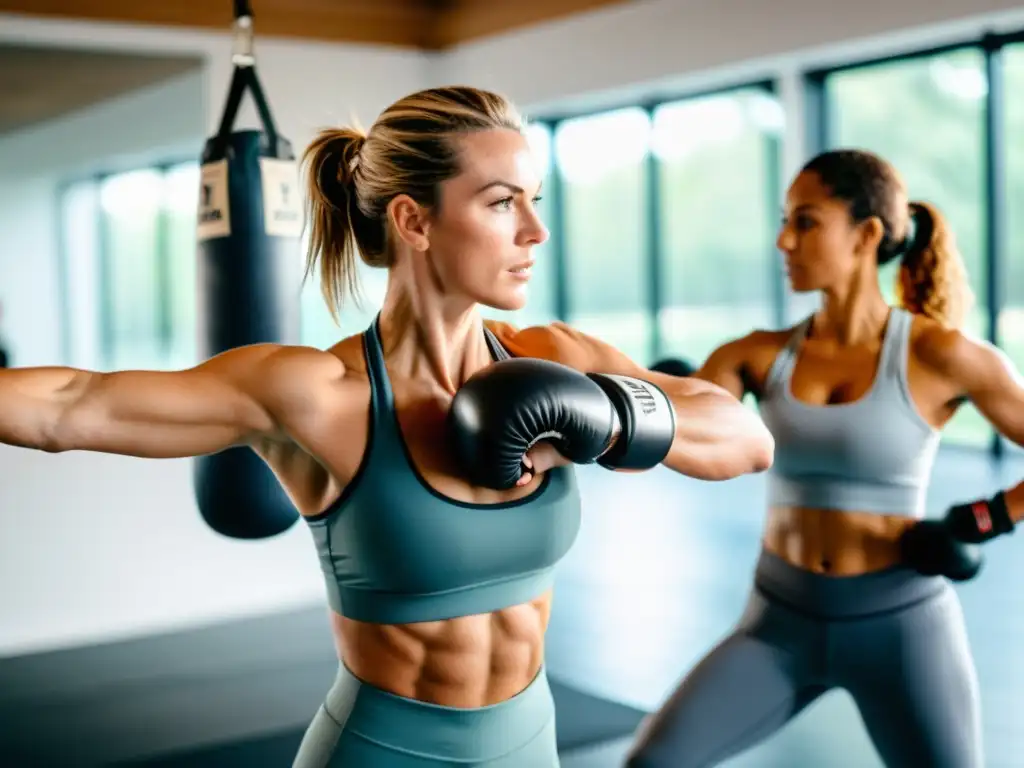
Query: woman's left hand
{"type": "Point", "coordinates": [539, 459]}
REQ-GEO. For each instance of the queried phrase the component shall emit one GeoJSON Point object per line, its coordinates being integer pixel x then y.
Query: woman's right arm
{"type": "Point", "coordinates": [231, 399]}
{"type": "Point", "coordinates": [725, 365]}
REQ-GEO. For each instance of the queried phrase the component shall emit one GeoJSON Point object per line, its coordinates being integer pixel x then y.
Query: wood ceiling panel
{"type": "Point", "coordinates": [389, 22]}
{"type": "Point", "coordinates": [425, 24]}
{"type": "Point", "coordinates": [464, 20]}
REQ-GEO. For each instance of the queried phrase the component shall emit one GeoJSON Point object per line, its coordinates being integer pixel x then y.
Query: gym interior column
{"type": "Point", "coordinates": [995, 192]}
{"type": "Point", "coordinates": [164, 274]}
{"type": "Point", "coordinates": [556, 227]}
{"type": "Point", "coordinates": [654, 251]}
{"type": "Point", "coordinates": [773, 149]}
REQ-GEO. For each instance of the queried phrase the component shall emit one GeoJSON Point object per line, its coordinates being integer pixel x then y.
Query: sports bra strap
{"type": "Point", "coordinates": [785, 360]}
{"type": "Point", "coordinates": [892, 364]}
{"type": "Point", "coordinates": [498, 352]}
{"type": "Point", "coordinates": [382, 396]}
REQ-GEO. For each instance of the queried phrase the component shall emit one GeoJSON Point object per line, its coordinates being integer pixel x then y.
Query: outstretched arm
{"type": "Point", "coordinates": [984, 375]}
{"type": "Point", "coordinates": [231, 399]}
{"type": "Point", "coordinates": [724, 367]}
{"type": "Point", "coordinates": [716, 438]}
{"type": "Point", "coordinates": [990, 381]}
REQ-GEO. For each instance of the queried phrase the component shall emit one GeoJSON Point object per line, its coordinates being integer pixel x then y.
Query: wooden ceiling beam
{"type": "Point", "coordinates": [465, 20]}
{"type": "Point", "coordinates": [405, 23]}
{"type": "Point", "coordinates": [421, 24]}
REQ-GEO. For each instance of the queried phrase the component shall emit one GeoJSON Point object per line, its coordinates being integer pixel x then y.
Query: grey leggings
{"type": "Point", "coordinates": [360, 726]}
{"type": "Point", "coordinates": [894, 640]}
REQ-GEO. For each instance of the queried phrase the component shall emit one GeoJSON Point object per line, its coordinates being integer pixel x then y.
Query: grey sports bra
{"type": "Point", "coordinates": [393, 550]}
{"type": "Point", "coordinates": [874, 454]}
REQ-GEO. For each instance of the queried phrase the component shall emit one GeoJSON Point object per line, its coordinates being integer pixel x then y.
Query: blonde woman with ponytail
{"type": "Point", "coordinates": [851, 589]}
{"type": "Point", "coordinates": [431, 455]}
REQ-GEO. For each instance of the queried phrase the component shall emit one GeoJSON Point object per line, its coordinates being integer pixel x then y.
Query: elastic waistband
{"type": "Point", "coordinates": [442, 733]}
{"type": "Point", "coordinates": [837, 597]}
{"type": "Point", "coordinates": [378, 607]}
{"type": "Point", "coordinates": [823, 492]}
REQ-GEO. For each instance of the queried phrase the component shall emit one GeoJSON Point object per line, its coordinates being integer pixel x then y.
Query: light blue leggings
{"type": "Point", "coordinates": [894, 640]}
{"type": "Point", "coordinates": [360, 726]}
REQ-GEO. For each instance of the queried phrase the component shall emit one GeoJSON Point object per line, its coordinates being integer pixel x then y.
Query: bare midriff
{"type": "Point", "coordinates": [835, 543]}
{"type": "Point", "coordinates": [465, 662]}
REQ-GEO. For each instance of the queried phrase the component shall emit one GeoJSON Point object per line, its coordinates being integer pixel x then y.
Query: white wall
{"type": "Point", "coordinates": [95, 546]}
{"type": "Point", "coordinates": [98, 546]}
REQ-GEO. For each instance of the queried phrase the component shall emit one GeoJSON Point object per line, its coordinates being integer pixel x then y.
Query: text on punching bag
{"type": "Point", "coordinates": [282, 202]}
{"type": "Point", "coordinates": [214, 216]}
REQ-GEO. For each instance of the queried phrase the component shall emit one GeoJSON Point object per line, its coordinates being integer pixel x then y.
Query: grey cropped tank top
{"type": "Point", "coordinates": [874, 454]}
{"type": "Point", "coordinates": [394, 551]}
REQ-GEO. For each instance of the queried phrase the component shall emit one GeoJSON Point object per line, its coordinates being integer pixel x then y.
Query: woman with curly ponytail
{"type": "Point", "coordinates": [849, 589]}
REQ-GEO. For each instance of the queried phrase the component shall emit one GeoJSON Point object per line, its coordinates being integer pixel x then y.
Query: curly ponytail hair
{"type": "Point", "coordinates": [932, 279]}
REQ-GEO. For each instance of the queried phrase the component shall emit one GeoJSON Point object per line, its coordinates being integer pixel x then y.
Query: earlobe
{"type": "Point", "coordinates": [410, 222]}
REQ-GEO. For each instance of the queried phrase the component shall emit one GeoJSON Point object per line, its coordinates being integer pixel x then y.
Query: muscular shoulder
{"type": "Point", "coordinates": [757, 348]}
{"type": "Point", "coordinates": [558, 342]}
{"type": "Point", "coordinates": [742, 364]}
{"type": "Point", "coordinates": [935, 346]}
{"type": "Point", "coordinates": [946, 351]}
{"type": "Point", "coordinates": [293, 362]}
{"type": "Point", "coordinates": [350, 352]}
{"type": "Point", "coordinates": [283, 377]}
{"type": "Point", "coordinates": [965, 361]}
{"type": "Point", "coordinates": [758, 341]}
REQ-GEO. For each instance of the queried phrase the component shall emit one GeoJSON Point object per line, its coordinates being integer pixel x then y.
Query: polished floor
{"type": "Point", "coordinates": [662, 569]}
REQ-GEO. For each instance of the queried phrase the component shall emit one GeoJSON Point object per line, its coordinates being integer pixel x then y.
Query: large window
{"type": "Point", "coordinates": [602, 161]}
{"type": "Point", "coordinates": [1010, 331]}
{"type": "Point", "coordinates": [663, 220]}
{"type": "Point", "coordinates": [926, 116]}
{"type": "Point", "coordinates": [181, 199]}
{"type": "Point", "coordinates": [133, 293]}
{"type": "Point", "coordinates": [146, 264]}
{"type": "Point", "coordinates": [80, 252]}
{"type": "Point", "coordinates": [718, 213]}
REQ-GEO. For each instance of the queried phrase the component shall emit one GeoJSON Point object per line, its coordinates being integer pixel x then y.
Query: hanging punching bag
{"type": "Point", "coordinates": [249, 279]}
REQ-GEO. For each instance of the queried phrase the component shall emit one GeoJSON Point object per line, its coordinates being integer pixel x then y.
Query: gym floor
{"type": "Point", "coordinates": [660, 572]}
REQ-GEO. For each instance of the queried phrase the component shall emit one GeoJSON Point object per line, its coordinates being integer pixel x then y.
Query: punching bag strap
{"type": "Point", "coordinates": [244, 77]}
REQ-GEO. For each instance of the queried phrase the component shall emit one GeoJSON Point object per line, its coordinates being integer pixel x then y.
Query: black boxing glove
{"type": "Point", "coordinates": [930, 549]}
{"type": "Point", "coordinates": [502, 411]}
{"type": "Point", "coordinates": [980, 521]}
{"type": "Point", "coordinates": [949, 547]}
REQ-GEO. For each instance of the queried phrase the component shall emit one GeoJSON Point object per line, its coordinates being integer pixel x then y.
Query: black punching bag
{"type": "Point", "coordinates": [249, 279]}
